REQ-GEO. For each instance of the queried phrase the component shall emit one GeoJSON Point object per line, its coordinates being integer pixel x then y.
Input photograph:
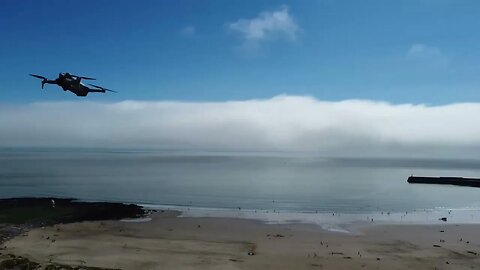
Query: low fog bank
{"type": "Point", "coordinates": [282, 123]}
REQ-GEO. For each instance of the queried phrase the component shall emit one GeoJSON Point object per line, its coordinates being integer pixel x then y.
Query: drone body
{"type": "Point", "coordinates": [73, 84]}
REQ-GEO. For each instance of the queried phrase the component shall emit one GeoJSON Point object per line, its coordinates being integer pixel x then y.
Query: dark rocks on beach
{"type": "Point", "coordinates": [18, 263]}
{"type": "Point", "coordinates": [251, 253]}
{"type": "Point", "coordinates": [12, 262]}
{"type": "Point", "coordinates": [21, 214]}
{"type": "Point", "coordinates": [39, 211]}
{"type": "Point", "coordinates": [443, 219]}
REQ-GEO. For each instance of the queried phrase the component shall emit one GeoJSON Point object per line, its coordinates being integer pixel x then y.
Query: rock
{"type": "Point", "coordinates": [443, 219]}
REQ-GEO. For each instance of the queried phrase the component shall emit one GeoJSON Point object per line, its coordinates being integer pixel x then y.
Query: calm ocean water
{"type": "Point", "coordinates": [282, 182]}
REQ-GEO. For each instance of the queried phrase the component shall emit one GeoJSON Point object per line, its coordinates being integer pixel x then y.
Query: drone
{"type": "Point", "coordinates": [73, 84]}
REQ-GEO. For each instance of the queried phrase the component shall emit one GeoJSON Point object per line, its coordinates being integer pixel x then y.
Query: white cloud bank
{"type": "Point", "coordinates": [285, 123]}
{"type": "Point", "coordinates": [269, 25]}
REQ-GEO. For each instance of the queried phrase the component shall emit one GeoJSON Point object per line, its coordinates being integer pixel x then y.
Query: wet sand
{"type": "Point", "coordinates": [170, 242]}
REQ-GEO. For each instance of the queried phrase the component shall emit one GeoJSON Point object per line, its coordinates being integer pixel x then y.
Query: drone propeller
{"type": "Point", "coordinates": [44, 80]}
{"type": "Point", "coordinates": [38, 76]}
{"type": "Point", "coordinates": [102, 88]}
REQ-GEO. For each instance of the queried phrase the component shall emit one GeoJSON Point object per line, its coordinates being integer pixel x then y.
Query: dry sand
{"type": "Point", "coordinates": [169, 242]}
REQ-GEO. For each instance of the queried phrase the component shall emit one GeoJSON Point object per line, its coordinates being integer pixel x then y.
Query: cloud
{"type": "Point", "coordinates": [423, 51]}
{"type": "Point", "coordinates": [283, 123]}
{"type": "Point", "coordinates": [427, 54]}
{"type": "Point", "coordinates": [269, 25]}
{"type": "Point", "coordinates": [188, 31]}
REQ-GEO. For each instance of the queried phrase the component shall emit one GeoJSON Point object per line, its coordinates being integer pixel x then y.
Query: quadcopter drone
{"type": "Point", "coordinates": [73, 84]}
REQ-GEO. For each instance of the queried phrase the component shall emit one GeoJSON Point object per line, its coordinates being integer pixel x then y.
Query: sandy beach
{"type": "Point", "coordinates": [171, 242]}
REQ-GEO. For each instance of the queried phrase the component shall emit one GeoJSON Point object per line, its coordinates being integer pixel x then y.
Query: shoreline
{"type": "Point", "coordinates": [331, 221]}
{"type": "Point", "coordinates": [172, 242]}
{"type": "Point", "coordinates": [172, 239]}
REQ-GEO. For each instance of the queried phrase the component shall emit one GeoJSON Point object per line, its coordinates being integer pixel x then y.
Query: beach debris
{"type": "Point", "coordinates": [378, 259]}
{"type": "Point", "coordinates": [251, 253]}
{"type": "Point", "coordinates": [472, 252]}
{"type": "Point", "coordinates": [347, 257]}
{"type": "Point", "coordinates": [275, 235]}
{"type": "Point", "coordinates": [442, 241]}
{"type": "Point", "coordinates": [337, 253]}
{"type": "Point", "coordinates": [447, 262]}
{"type": "Point", "coordinates": [437, 246]}
{"type": "Point", "coordinates": [198, 226]}
{"type": "Point", "coordinates": [468, 242]}
{"type": "Point", "coordinates": [443, 219]}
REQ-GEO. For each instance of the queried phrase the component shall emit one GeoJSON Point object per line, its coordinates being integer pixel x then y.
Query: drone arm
{"type": "Point", "coordinates": [48, 82]}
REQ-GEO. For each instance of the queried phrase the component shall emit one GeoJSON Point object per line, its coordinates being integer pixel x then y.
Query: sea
{"type": "Point", "coordinates": [271, 186]}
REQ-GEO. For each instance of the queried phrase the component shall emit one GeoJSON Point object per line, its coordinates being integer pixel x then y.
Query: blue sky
{"type": "Point", "coordinates": [412, 51]}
